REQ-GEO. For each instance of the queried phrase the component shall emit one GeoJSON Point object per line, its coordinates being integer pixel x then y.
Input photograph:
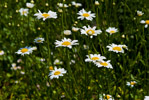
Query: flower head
{"type": "Point", "coordinates": [87, 15]}
{"type": "Point", "coordinates": [76, 4]}
{"type": "Point", "coordinates": [146, 98]}
{"type": "Point", "coordinates": [45, 16]}
{"type": "Point", "coordinates": [103, 63]}
{"type": "Point", "coordinates": [146, 22]}
{"type": "Point", "coordinates": [94, 58]}
{"type": "Point", "coordinates": [23, 11]}
{"type": "Point", "coordinates": [75, 29]}
{"type": "Point", "coordinates": [25, 50]}
{"type": "Point", "coordinates": [1, 52]}
{"type": "Point", "coordinates": [131, 83]}
{"type": "Point", "coordinates": [39, 40]}
{"type": "Point", "coordinates": [116, 48]}
{"type": "Point", "coordinates": [111, 30]}
{"type": "Point", "coordinates": [29, 5]}
{"type": "Point", "coordinates": [139, 13]}
{"type": "Point", "coordinates": [66, 43]}
{"type": "Point", "coordinates": [90, 31]}
{"type": "Point", "coordinates": [67, 32]}
{"type": "Point", "coordinates": [57, 72]}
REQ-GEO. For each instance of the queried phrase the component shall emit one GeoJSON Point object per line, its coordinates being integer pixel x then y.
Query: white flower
{"type": "Point", "coordinates": [146, 98]}
{"type": "Point", "coordinates": [90, 31]}
{"type": "Point", "coordinates": [22, 72]}
{"type": "Point", "coordinates": [25, 50]}
{"type": "Point", "coordinates": [131, 83]}
{"type": "Point", "coordinates": [29, 5]}
{"type": "Point", "coordinates": [87, 15]}
{"type": "Point", "coordinates": [116, 48]}
{"type": "Point", "coordinates": [139, 13]}
{"type": "Point", "coordinates": [42, 59]}
{"type": "Point", "coordinates": [44, 15]}
{"type": "Point", "coordinates": [23, 11]}
{"type": "Point", "coordinates": [57, 62]}
{"type": "Point", "coordinates": [39, 40]}
{"type": "Point", "coordinates": [62, 5]}
{"type": "Point", "coordinates": [19, 60]}
{"type": "Point", "coordinates": [14, 67]}
{"type": "Point", "coordinates": [67, 32]}
{"type": "Point", "coordinates": [103, 63]}
{"type": "Point", "coordinates": [34, 48]}
{"type": "Point", "coordinates": [76, 4]}
{"type": "Point", "coordinates": [66, 43]}
{"type": "Point", "coordinates": [106, 97]}
{"type": "Point", "coordinates": [1, 52]}
{"type": "Point", "coordinates": [57, 72]}
{"type": "Point", "coordinates": [94, 58]}
{"type": "Point", "coordinates": [111, 30]}
{"type": "Point", "coordinates": [85, 46]}
{"type": "Point", "coordinates": [146, 22]}
{"type": "Point", "coordinates": [75, 29]}
{"type": "Point", "coordinates": [97, 3]}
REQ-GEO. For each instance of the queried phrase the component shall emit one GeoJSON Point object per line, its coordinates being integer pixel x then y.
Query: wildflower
{"type": "Point", "coordinates": [25, 50]}
{"type": "Point", "coordinates": [146, 22]}
{"type": "Point", "coordinates": [34, 48]}
{"type": "Point", "coordinates": [131, 83]}
{"type": "Point", "coordinates": [29, 5]}
{"type": "Point", "coordinates": [146, 98]}
{"type": "Point", "coordinates": [1, 52]}
{"type": "Point", "coordinates": [50, 67]}
{"type": "Point", "coordinates": [87, 15]}
{"type": "Point", "coordinates": [23, 11]}
{"type": "Point", "coordinates": [116, 48]}
{"type": "Point", "coordinates": [42, 59]}
{"type": "Point", "coordinates": [103, 63]}
{"type": "Point", "coordinates": [67, 32]}
{"type": "Point", "coordinates": [66, 43]}
{"type": "Point", "coordinates": [106, 97]}
{"type": "Point", "coordinates": [57, 72]}
{"type": "Point", "coordinates": [76, 4]}
{"type": "Point", "coordinates": [90, 31]}
{"type": "Point", "coordinates": [19, 60]}
{"type": "Point", "coordinates": [94, 58]}
{"type": "Point", "coordinates": [62, 5]}
{"type": "Point", "coordinates": [75, 29]}
{"type": "Point", "coordinates": [57, 62]}
{"type": "Point", "coordinates": [139, 13]}
{"type": "Point", "coordinates": [111, 30]}
{"type": "Point", "coordinates": [39, 40]}
{"type": "Point", "coordinates": [96, 3]}
{"type": "Point", "coordinates": [13, 66]}
{"type": "Point", "coordinates": [22, 72]}
{"type": "Point", "coordinates": [44, 15]}
{"type": "Point", "coordinates": [85, 46]}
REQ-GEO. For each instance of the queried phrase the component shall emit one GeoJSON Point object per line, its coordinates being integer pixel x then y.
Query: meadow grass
{"type": "Point", "coordinates": [28, 77]}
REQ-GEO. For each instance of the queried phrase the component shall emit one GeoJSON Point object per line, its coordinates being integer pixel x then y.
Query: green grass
{"type": "Point", "coordinates": [83, 80]}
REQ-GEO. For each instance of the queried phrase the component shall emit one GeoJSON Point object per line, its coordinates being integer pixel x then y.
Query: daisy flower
{"type": "Point", "coordinates": [146, 98]}
{"type": "Point", "coordinates": [90, 31]}
{"type": "Point", "coordinates": [23, 11]}
{"type": "Point", "coordinates": [111, 30]}
{"type": "Point", "coordinates": [107, 97]}
{"type": "Point", "coordinates": [44, 15]}
{"type": "Point", "coordinates": [14, 67]}
{"type": "Point", "coordinates": [103, 63]}
{"type": "Point", "coordinates": [146, 22]}
{"type": "Point", "coordinates": [25, 50]}
{"type": "Point", "coordinates": [67, 32]}
{"type": "Point", "coordinates": [62, 5]}
{"type": "Point", "coordinates": [39, 40]}
{"type": "Point", "coordinates": [29, 5]}
{"type": "Point", "coordinates": [96, 3]}
{"type": "Point", "coordinates": [76, 4]}
{"type": "Point", "coordinates": [87, 15]}
{"type": "Point", "coordinates": [94, 58]}
{"type": "Point", "coordinates": [1, 52]}
{"type": "Point", "coordinates": [75, 29]}
{"type": "Point", "coordinates": [66, 43]}
{"type": "Point", "coordinates": [131, 83]}
{"type": "Point", "coordinates": [116, 48]}
{"type": "Point", "coordinates": [139, 13]}
{"type": "Point", "coordinates": [57, 72]}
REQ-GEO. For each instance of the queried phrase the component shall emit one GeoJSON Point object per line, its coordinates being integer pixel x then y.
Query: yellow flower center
{"type": "Point", "coordinates": [117, 48]}
{"type": "Point", "coordinates": [66, 43]}
{"type": "Point", "coordinates": [24, 12]}
{"type": "Point", "coordinates": [147, 21]}
{"type": "Point", "coordinates": [107, 97]}
{"type": "Point", "coordinates": [0, 51]}
{"type": "Point", "coordinates": [57, 73]}
{"type": "Point", "coordinates": [38, 40]}
{"type": "Point", "coordinates": [139, 14]}
{"type": "Point", "coordinates": [24, 50]}
{"type": "Point", "coordinates": [15, 67]}
{"type": "Point", "coordinates": [86, 15]}
{"type": "Point", "coordinates": [90, 31]}
{"type": "Point", "coordinates": [51, 68]}
{"type": "Point", "coordinates": [104, 64]}
{"type": "Point", "coordinates": [132, 83]}
{"type": "Point", "coordinates": [95, 58]}
{"type": "Point", "coordinates": [112, 31]}
{"type": "Point", "coordinates": [45, 15]}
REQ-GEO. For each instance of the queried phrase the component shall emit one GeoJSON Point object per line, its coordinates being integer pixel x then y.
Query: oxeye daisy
{"type": "Point", "coordinates": [94, 58]}
{"type": "Point", "coordinates": [75, 29]}
{"type": "Point", "coordinates": [139, 13]}
{"type": "Point", "coordinates": [90, 31]}
{"type": "Point", "coordinates": [66, 43]}
{"type": "Point", "coordinates": [39, 40]}
{"type": "Point", "coordinates": [111, 30]}
{"type": "Point", "coordinates": [116, 48]}
{"type": "Point", "coordinates": [76, 4]}
{"type": "Point", "coordinates": [146, 22]}
{"type": "Point", "coordinates": [57, 72]}
{"type": "Point", "coordinates": [25, 50]}
{"type": "Point", "coordinates": [29, 5]}
{"type": "Point", "coordinates": [106, 97]}
{"type": "Point", "coordinates": [87, 15]}
{"type": "Point", "coordinates": [44, 15]}
{"type": "Point", "coordinates": [62, 5]}
{"type": "Point", "coordinates": [103, 63]}
{"type": "Point", "coordinates": [67, 32]}
{"type": "Point", "coordinates": [146, 98]}
{"type": "Point", "coordinates": [131, 83]}
{"type": "Point", "coordinates": [1, 52]}
{"type": "Point", "coordinates": [23, 11]}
